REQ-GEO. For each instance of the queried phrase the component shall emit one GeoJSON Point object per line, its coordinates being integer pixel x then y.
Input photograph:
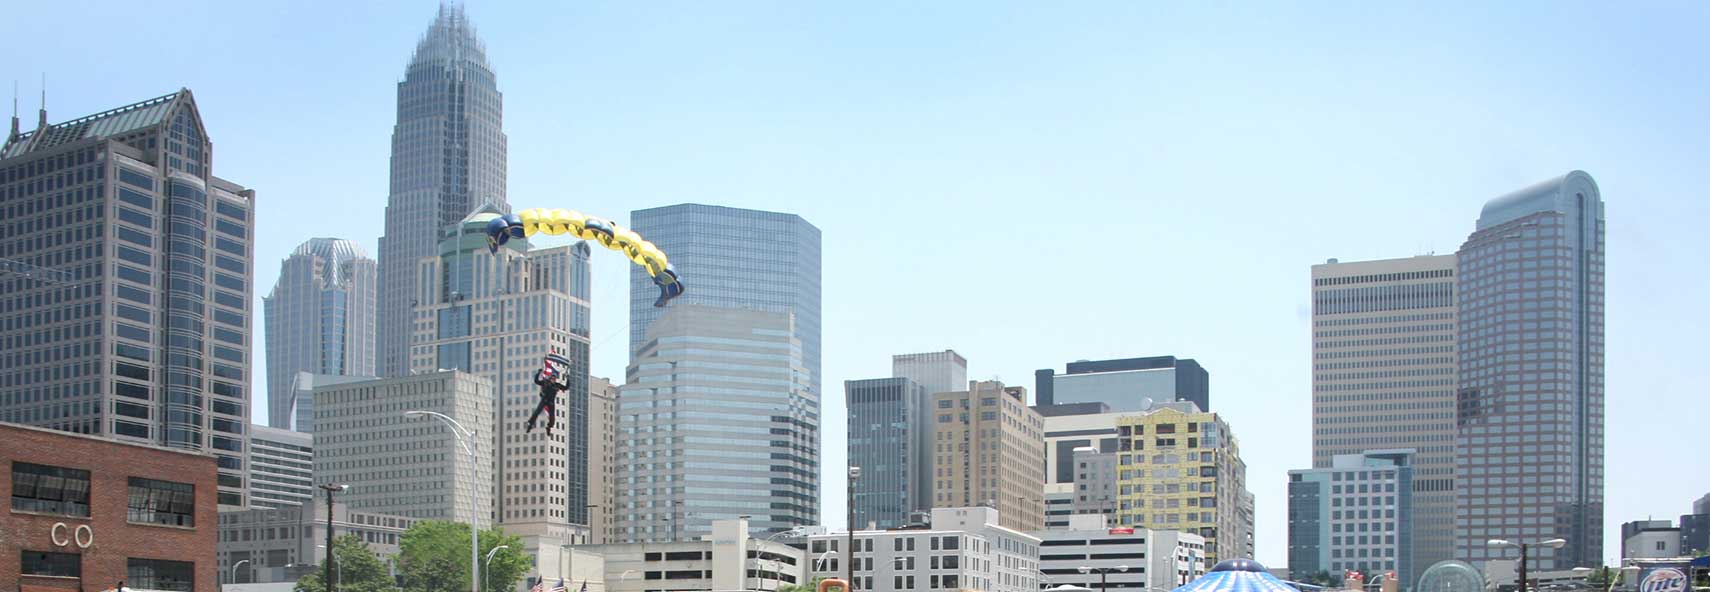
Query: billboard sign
{"type": "Point", "coordinates": [1663, 579]}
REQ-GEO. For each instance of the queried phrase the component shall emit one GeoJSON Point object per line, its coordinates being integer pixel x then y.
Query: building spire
{"type": "Point", "coordinates": [14, 133]}
{"type": "Point", "coordinates": [41, 119]}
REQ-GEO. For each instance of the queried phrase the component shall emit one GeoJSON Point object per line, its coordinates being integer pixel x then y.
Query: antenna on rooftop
{"type": "Point", "coordinates": [41, 119]}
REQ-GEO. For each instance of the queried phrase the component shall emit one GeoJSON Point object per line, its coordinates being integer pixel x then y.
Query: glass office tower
{"type": "Point", "coordinates": [733, 258]}
{"type": "Point", "coordinates": [320, 320]}
{"type": "Point", "coordinates": [125, 283]}
{"type": "Point", "coordinates": [448, 160]}
{"type": "Point", "coordinates": [1530, 398]}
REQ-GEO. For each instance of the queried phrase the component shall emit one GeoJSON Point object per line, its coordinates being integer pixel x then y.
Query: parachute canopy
{"type": "Point", "coordinates": [602, 231]}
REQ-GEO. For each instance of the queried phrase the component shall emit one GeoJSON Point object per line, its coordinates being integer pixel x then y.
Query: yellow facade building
{"type": "Point", "coordinates": [1179, 468]}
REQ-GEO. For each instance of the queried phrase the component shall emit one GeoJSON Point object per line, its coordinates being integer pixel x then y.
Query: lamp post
{"type": "Point", "coordinates": [489, 563]}
{"type": "Point", "coordinates": [1104, 574]}
{"type": "Point", "coordinates": [466, 438]}
{"type": "Point", "coordinates": [849, 566]}
{"type": "Point", "coordinates": [234, 569]}
{"type": "Point", "coordinates": [327, 576]}
{"type": "Point", "coordinates": [1524, 548]}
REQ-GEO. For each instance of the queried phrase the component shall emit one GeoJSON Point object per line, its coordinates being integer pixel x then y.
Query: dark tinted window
{"type": "Point", "coordinates": [153, 501]}
{"type": "Point", "coordinates": [56, 565]}
{"type": "Point", "coordinates": [50, 490]}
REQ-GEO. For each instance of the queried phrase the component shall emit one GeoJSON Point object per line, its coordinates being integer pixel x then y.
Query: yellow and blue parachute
{"type": "Point", "coordinates": [605, 232]}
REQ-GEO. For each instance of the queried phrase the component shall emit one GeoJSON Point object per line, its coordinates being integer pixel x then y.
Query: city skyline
{"type": "Point", "coordinates": [1389, 136]}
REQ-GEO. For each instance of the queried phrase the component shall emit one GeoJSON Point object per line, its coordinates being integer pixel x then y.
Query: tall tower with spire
{"type": "Point", "coordinates": [448, 160]}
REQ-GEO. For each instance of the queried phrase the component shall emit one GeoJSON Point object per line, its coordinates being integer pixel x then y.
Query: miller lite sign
{"type": "Point", "coordinates": [1663, 579]}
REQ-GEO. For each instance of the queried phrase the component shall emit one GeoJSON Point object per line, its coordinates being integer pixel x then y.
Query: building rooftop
{"type": "Point", "coordinates": [112, 122]}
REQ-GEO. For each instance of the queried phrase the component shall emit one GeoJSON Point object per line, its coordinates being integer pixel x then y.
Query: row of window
{"type": "Point", "coordinates": [148, 574]}
{"type": "Point", "coordinates": [65, 491]}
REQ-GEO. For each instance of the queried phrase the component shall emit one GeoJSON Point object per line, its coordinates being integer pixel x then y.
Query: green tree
{"type": "Point", "coordinates": [434, 557]}
{"type": "Point", "coordinates": [355, 566]}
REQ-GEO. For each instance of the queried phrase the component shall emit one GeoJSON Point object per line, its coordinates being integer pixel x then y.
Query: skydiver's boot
{"type": "Point", "coordinates": [530, 426]}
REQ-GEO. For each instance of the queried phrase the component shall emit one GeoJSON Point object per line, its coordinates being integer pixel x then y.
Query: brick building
{"type": "Point", "coordinates": [87, 513]}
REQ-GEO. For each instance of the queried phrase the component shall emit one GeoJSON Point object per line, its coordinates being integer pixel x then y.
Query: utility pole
{"type": "Point", "coordinates": [327, 568]}
{"type": "Point", "coordinates": [849, 566]}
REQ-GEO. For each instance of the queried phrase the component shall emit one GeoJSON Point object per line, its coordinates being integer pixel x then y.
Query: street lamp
{"type": "Point", "coordinates": [234, 569]}
{"type": "Point", "coordinates": [1103, 574]}
{"type": "Point", "coordinates": [849, 566]}
{"type": "Point", "coordinates": [465, 437]}
{"type": "Point", "coordinates": [758, 551]}
{"type": "Point", "coordinates": [330, 488]}
{"type": "Point", "coordinates": [1524, 548]}
{"type": "Point", "coordinates": [489, 563]}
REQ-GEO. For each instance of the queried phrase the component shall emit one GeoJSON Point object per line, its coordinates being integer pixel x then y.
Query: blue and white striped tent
{"type": "Point", "coordinates": [1237, 575]}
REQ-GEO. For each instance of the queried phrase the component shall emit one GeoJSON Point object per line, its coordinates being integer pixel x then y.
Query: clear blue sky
{"type": "Point", "coordinates": [1026, 183]}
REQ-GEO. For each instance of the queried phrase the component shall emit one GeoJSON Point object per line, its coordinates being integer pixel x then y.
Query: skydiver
{"type": "Point", "coordinates": [553, 378]}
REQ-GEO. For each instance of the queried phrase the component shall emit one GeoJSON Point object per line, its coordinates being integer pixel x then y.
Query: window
{"type": "Point", "coordinates": [161, 502]}
{"type": "Point", "coordinates": [160, 574]}
{"type": "Point", "coordinates": [53, 565]}
{"type": "Point", "coordinates": [50, 490]}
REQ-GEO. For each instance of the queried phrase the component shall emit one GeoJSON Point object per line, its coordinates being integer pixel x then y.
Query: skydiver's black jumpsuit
{"type": "Point", "coordinates": [549, 389]}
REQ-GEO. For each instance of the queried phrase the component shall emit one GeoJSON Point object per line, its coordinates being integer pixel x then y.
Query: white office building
{"type": "Point", "coordinates": [726, 559]}
{"type": "Point", "coordinates": [963, 549]}
{"type": "Point", "coordinates": [281, 466]}
{"type": "Point", "coordinates": [1137, 558]}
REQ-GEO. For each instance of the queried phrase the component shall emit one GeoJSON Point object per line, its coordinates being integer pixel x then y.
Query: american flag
{"type": "Point", "coordinates": [539, 586]}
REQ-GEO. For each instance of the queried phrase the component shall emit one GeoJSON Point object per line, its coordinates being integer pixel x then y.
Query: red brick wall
{"type": "Point", "coordinates": [115, 540]}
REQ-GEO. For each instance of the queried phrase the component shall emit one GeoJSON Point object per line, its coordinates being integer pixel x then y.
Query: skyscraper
{"type": "Point", "coordinates": [125, 282]}
{"type": "Point", "coordinates": [1126, 384]}
{"type": "Point", "coordinates": [733, 258]}
{"type": "Point", "coordinates": [1529, 282]}
{"type": "Point", "coordinates": [496, 315]}
{"type": "Point", "coordinates": [988, 449]}
{"type": "Point", "coordinates": [937, 372]}
{"type": "Point", "coordinates": [320, 319]}
{"type": "Point", "coordinates": [448, 159]}
{"type": "Point", "coordinates": [716, 422]}
{"type": "Point", "coordinates": [890, 438]}
{"type": "Point", "coordinates": [1383, 359]}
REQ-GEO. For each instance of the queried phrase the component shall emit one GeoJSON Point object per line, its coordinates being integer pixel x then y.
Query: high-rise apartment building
{"type": "Point", "coordinates": [890, 438]}
{"type": "Point", "coordinates": [1383, 359]}
{"type": "Point", "coordinates": [407, 466]}
{"type": "Point", "coordinates": [717, 421]}
{"type": "Point", "coordinates": [734, 258]}
{"type": "Point", "coordinates": [937, 372]}
{"type": "Point", "coordinates": [1356, 514]}
{"type": "Point", "coordinates": [1126, 384]}
{"type": "Point", "coordinates": [602, 460]}
{"type": "Point", "coordinates": [1180, 469]}
{"type": "Point", "coordinates": [448, 160]}
{"type": "Point", "coordinates": [988, 450]}
{"type": "Point", "coordinates": [281, 467]}
{"type": "Point", "coordinates": [1529, 292]}
{"type": "Point", "coordinates": [125, 282]}
{"type": "Point", "coordinates": [496, 315]}
{"type": "Point", "coordinates": [320, 319]}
